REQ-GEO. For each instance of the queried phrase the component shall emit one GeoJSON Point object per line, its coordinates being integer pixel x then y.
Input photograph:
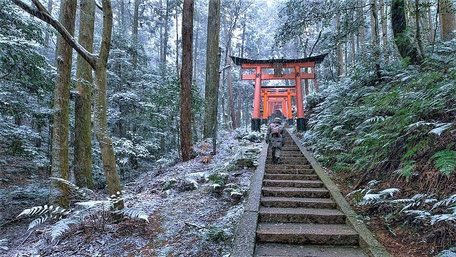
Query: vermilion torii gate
{"type": "Point", "coordinates": [279, 98]}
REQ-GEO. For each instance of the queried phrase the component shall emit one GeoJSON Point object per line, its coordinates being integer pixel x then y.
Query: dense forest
{"type": "Point", "coordinates": [125, 126]}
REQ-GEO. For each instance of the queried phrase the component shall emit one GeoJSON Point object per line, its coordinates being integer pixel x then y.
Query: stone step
{"type": "Point", "coordinates": [268, 249]}
{"type": "Point", "coordinates": [296, 161]}
{"type": "Point", "coordinates": [280, 170]}
{"type": "Point", "coordinates": [295, 192]}
{"type": "Point", "coordinates": [301, 215]}
{"type": "Point", "coordinates": [293, 202]}
{"type": "Point", "coordinates": [291, 148]}
{"type": "Point", "coordinates": [291, 176]}
{"type": "Point", "coordinates": [298, 233]}
{"type": "Point", "coordinates": [292, 183]}
{"type": "Point", "coordinates": [288, 166]}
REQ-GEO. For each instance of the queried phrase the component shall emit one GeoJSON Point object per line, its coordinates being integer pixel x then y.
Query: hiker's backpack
{"type": "Point", "coordinates": [276, 130]}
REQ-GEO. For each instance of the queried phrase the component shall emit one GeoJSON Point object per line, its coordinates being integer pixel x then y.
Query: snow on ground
{"type": "Point", "coordinates": [193, 210]}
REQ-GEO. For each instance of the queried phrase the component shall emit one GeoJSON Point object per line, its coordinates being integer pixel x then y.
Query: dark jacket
{"type": "Point", "coordinates": [275, 140]}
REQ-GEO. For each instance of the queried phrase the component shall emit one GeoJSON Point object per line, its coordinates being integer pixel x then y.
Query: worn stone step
{"type": "Point", "coordinates": [301, 215]}
{"type": "Point", "coordinates": [295, 192]}
{"type": "Point", "coordinates": [280, 170]}
{"type": "Point", "coordinates": [292, 183]}
{"type": "Point", "coordinates": [299, 233]}
{"type": "Point", "coordinates": [293, 202]}
{"type": "Point", "coordinates": [288, 166]}
{"type": "Point", "coordinates": [292, 148]}
{"type": "Point", "coordinates": [291, 176]}
{"type": "Point", "coordinates": [297, 161]}
{"type": "Point", "coordinates": [268, 249]}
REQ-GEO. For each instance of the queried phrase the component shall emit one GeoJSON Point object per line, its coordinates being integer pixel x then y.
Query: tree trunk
{"type": "Point", "coordinates": [384, 22]}
{"type": "Point", "coordinates": [99, 64]}
{"type": "Point", "coordinates": [361, 29]}
{"type": "Point", "coordinates": [60, 155]}
{"type": "Point", "coordinates": [374, 23]}
{"type": "Point", "coordinates": [135, 33]}
{"type": "Point", "coordinates": [340, 55]}
{"type": "Point", "coordinates": [212, 68]}
{"type": "Point", "coordinates": [166, 35]}
{"type": "Point", "coordinates": [430, 23]}
{"type": "Point", "coordinates": [100, 106]}
{"type": "Point", "coordinates": [230, 93]}
{"type": "Point", "coordinates": [418, 30]}
{"type": "Point", "coordinates": [239, 108]}
{"type": "Point", "coordinates": [186, 80]}
{"type": "Point", "coordinates": [177, 41]}
{"type": "Point", "coordinates": [195, 53]}
{"type": "Point", "coordinates": [399, 25]}
{"type": "Point", "coordinates": [375, 38]}
{"type": "Point", "coordinates": [82, 162]}
{"type": "Point", "coordinates": [447, 19]}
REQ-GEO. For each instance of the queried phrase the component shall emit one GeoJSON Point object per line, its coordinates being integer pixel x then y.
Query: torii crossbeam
{"type": "Point", "coordinates": [279, 98]}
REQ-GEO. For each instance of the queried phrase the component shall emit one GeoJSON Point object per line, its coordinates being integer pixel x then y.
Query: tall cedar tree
{"type": "Point", "coordinates": [60, 132]}
{"type": "Point", "coordinates": [99, 64]}
{"type": "Point", "coordinates": [447, 18]}
{"type": "Point", "coordinates": [212, 68]}
{"type": "Point", "coordinates": [82, 162]}
{"type": "Point", "coordinates": [186, 80]}
{"type": "Point", "coordinates": [401, 38]}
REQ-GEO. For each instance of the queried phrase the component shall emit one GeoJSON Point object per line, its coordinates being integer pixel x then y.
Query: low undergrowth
{"type": "Point", "coordinates": [399, 131]}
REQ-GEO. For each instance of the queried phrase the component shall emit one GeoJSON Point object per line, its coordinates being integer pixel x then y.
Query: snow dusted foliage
{"type": "Point", "coordinates": [359, 124]}
{"type": "Point", "coordinates": [25, 86]}
{"type": "Point", "coordinates": [84, 212]}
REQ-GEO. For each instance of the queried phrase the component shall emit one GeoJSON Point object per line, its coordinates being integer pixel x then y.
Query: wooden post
{"type": "Point", "coordinates": [290, 111]}
{"type": "Point", "coordinates": [299, 105]}
{"type": "Point", "coordinates": [265, 108]}
{"type": "Point", "coordinates": [256, 119]}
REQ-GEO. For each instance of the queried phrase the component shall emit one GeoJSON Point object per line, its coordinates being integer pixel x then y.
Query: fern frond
{"type": "Point", "coordinates": [445, 202]}
{"type": "Point", "coordinates": [80, 192]}
{"type": "Point", "coordinates": [38, 221]}
{"type": "Point", "coordinates": [40, 210]}
{"type": "Point", "coordinates": [445, 161]}
{"type": "Point", "coordinates": [36, 210]}
{"type": "Point", "coordinates": [134, 213]}
{"type": "Point", "coordinates": [95, 204]}
{"type": "Point", "coordinates": [61, 227]}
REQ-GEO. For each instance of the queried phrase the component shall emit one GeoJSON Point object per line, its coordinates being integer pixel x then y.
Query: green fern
{"type": "Point", "coordinates": [407, 169]}
{"type": "Point", "coordinates": [445, 161]}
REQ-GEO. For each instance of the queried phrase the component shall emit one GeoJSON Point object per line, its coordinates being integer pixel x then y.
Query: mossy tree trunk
{"type": "Point", "coordinates": [99, 64]}
{"type": "Point", "coordinates": [100, 106]}
{"type": "Point", "coordinates": [401, 36]}
{"type": "Point", "coordinates": [82, 163]}
{"type": "Point", "coordinates": [60, 155]}
{"type": "Point", "coordinates": [447, 18]}
{"type": "Point", "coordinates": [212, 68]}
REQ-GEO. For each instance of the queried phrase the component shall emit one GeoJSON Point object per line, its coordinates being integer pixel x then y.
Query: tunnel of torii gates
{"type": "Point", "coordinates": [279, 98]}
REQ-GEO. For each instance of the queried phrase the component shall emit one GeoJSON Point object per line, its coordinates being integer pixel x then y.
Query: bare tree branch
{"type": "Point", "coordinates": [42, 14]}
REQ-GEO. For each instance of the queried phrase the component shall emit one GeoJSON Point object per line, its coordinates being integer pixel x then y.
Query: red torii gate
{"type": "Point", "coordinates": [275, 94]}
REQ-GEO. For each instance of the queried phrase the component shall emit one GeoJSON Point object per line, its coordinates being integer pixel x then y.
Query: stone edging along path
{"type": "Point", "coordinates": [326, 226]}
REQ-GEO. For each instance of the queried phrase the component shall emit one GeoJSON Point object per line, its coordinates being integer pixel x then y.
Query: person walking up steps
{"type": "Point", "coordinates": [275, 139]}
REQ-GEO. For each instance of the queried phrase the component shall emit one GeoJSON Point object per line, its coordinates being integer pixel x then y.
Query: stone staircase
{"type": "Point", "coordinates": [297, 216]}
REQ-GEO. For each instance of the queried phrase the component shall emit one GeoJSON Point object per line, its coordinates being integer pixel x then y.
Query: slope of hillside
{"type": "Point", "coordinates": [397, 134]}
